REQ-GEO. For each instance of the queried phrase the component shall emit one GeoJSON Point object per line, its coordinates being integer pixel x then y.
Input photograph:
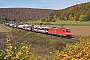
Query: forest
{"type": "Point", "coordinates": [78, 12]}
{"type": "Point", "coordinates": [23, 14]}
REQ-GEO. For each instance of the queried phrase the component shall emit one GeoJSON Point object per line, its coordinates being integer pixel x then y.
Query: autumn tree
{"type": "Point", "coordinates": [24, 14]}
{"type": "Point", "coordinates": [54, 18]}
{"type": "Point", "coordinates": [74, 12]}
{"type": "Point", "coordinates": [88, 15]}
{"type": "Point", "coordinates": [82, 18]}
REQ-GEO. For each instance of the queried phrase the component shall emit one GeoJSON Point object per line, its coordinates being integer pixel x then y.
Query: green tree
{"type": "Point", "coordinates": [88, 15]}
{"type": "Point", "coordinates": [82, 18]}
{"type": "Point", "coordinates": [54, 18]}
{"type": "Point", "coordinates": [67, 15]}
{"type": "Point", "coordinates": [43, 19]}
{"type": "Point", "coordinates": [72, 18]}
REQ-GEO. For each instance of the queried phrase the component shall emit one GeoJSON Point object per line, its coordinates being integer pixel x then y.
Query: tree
{"type": "Point", "coordinates": [43, 19]}
{"type": "Point", "coordinates": [54, 18]}
{"type": "Point", "coordinates": [88, 15]}
{"type": "Point", "coordinates": [72, 18]}
{"type": "Point", "coordinates": [82, 18]}
{"type": "Point", "coordinates": [70, 15]}
{"type": "Point", "coordinates": [50, 18]}
{"type": "Point", "coordinates": [67, 15]}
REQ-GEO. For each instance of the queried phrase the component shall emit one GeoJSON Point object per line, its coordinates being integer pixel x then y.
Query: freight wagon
{"type": "Point", "coordinates": [63, 32]}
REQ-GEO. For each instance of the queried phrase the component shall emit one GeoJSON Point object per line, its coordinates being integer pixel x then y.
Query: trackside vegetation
{"type": "Point", "coordinates": [22, 51]}
{"type": "Point", "coordinates": [79, 51]}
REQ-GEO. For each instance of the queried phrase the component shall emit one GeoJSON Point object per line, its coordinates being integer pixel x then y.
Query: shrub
{"type": "Point", "coordinates": [79, 51]}
{"type": "Point", "coordinates": [21, 51]}
{"type": "Point", "coordinates": [58, 45]}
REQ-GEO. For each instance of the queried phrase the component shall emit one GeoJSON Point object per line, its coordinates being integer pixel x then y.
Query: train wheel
{"type": "Point", "coordinates": [68, 37]}
{"type": "Point", "coordinates": [62, 36]}
{"type": "Point", "coordinates": [51, 34]}
{"type": "Point", "coordinates": [58, 35]}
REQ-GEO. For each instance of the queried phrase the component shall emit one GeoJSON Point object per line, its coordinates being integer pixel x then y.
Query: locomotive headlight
{"type": "Point", "coordinates": [68, 33]}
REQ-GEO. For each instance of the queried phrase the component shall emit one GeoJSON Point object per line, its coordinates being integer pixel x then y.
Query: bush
{"type": "Point", "coordinates": [58, 45]}
{"type": "Point", "coordinates": [21, 51]}
{"type": "Point", "coordinates": [79, 51]}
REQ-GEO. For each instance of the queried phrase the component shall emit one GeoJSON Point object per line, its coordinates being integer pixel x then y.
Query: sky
{"type": "Point", "coordinates": [42, 4]}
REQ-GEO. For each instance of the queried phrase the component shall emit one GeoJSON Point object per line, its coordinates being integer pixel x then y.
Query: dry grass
{"type": "Point", "coordinates": [2, 29]}
{"type": "Point", "coordinates": [41, 44]}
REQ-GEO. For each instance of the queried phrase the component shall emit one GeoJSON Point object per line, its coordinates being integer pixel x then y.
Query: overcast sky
{"type": "Point", "coordinates": [43, 4]}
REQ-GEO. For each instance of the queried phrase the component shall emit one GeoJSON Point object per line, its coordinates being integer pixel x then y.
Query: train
{"type": "Point", "coordinates": [62, 32]}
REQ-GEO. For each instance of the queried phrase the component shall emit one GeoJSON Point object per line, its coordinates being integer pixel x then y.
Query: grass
{"type": "Point", "coordinates": [23, 51]}
{"type": "Point", "coordinates": [72, 23]}
{"type": "Point", "coordinates": [59, 22]}
{"type": "Point", "coordinates": [41, 44]}
{"type": "Point", "coordinates": [6, 27]}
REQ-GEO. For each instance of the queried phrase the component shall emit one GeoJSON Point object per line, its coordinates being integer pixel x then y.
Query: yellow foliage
{"type": "Point", "coordinates": [20, 52]}
{"type": "Point", "coordinates": [79, 51]}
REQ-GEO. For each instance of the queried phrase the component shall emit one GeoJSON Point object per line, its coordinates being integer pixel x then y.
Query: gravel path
{"type": "Point", "coordinates": [2, 29]}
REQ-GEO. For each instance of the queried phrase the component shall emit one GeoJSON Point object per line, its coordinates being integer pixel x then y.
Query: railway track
{"type": "Point", "coordinates": [71, 39]}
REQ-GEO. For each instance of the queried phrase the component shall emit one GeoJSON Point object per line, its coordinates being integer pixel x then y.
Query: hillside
{"type": "Point", "coordinates": [23, 13]}
{"type": "Point", "coordinates": [78, 12]}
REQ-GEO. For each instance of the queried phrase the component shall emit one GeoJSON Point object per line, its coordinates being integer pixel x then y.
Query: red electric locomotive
{"type": "Point", "coordinates": [64, 32]}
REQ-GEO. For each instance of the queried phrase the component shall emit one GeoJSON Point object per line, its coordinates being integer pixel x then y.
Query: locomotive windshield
{"type": "Point", "coordinates": [67, 30]}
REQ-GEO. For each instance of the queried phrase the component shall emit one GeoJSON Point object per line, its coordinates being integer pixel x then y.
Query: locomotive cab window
{"type": "Point", "coordinates": [67, 30]}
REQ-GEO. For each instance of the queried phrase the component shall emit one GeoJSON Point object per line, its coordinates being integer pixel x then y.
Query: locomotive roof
{"type": "Point", "coordinates": [59, 28]}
